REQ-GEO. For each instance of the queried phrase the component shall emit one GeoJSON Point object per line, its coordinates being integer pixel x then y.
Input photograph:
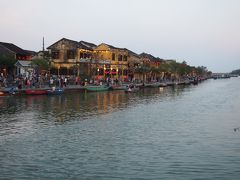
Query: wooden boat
{"type": "Point", "coordinates": [10, 90]}
{"type": "Point", "coordinates": [5, 92]}
{"type": "Point", "coordinates": [179, 83]}
{"type": "Point", "coordinates": [119, 87]}
{"type": "Point", "coordinates": [132, 89]}
{"type": "Point", "coordinates": [97, 88]}
{"type": "Point", "coordinates": [35, 91]}
{"type": "Point", "coordinates": [152, 85]}
{"type": "Point", "coordinates": [54, 91]}
{"type": "Point", "coordinates": [162, 84]}
{"type": "Point", "coordinates": [2, 93]}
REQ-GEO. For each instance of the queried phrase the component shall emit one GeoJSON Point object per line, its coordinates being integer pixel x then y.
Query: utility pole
{"type": "Point", "coordinates": [43, 45]}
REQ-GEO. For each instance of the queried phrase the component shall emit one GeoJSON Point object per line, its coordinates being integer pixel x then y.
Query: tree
{"type": "Point", "coordinates": [237, 71]}
{"type": "Point", "coordinates": [143, 69]}
{"type": "Point", "coordinates": [7, 62]}
{"type": "Point", "coordinates": [201, 70]}
{"type": "Point", "coordinates": [40, 65]}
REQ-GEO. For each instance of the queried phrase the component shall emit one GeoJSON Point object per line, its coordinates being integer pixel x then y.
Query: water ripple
{"type": "Point", "coordinates": [177, 133]}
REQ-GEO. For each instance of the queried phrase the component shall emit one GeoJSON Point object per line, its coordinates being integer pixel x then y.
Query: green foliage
{"type": "Point", "coordinates": [237, 71]}
{"type": "Point", "coordinates": [42, 64]}
{"type": "Point", "coordinates": [143, 69]}
{"type": "Point", "coordinates": [181, 68]}
{"type": "Point", "coordinates": [7, 62]}
{"type": "Point", "coordinates": [164, 67]}
{"type": "Point", "coordinates": [201, 70]}
{"type": "Point", "coordinates": [155, 70]}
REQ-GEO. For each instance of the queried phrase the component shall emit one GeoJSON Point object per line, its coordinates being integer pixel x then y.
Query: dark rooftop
{"type": "Point", "coordinates": [151, 57]}
{"type": "Point", "coordinates": [14, 48]}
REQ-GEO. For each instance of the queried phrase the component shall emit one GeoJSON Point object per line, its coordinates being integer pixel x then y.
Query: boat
{"type": "Point", "coordinates": [119, 87]}
{"type": "Point", "coordinates": [132, 89]}
{"type": "Point", "coordinates": [179, 83]}
{"type": "Point", "coordinates": [10, 90]}
{"type": "Point", "coordinates": [35, 91]}
{"type": "Point", "coordinates": [152, 85]}
{"type": "Point", "coordinates": [55, 91]}
{"type": "Point", "coordinates": [97, 88]}
{"type": "Point", "coordinates": [162, 84]}
{"type": "Point", "coordinates": [2, 93]}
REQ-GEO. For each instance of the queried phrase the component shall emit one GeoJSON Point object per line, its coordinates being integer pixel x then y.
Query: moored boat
{"type": "Point", "coordinates": [162, 84]}
{"type": "Point", "coordinates": [97, 88]}
{"type": "Point", "coordinates": [131, 89]}
{"type": "Point", "coordinates": [152, 85]}
{"type": "Point", "coordinates": [2, 93]}
{"type": "Point", "coordinates": [35, 91]}
{"type": "Point", "coordinates": [119, 87]}
{"type": "Point", "coordinates": [54, 91]}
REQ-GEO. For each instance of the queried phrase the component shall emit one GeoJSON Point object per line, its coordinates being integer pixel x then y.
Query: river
{"type": "Point", "coordinates": [174, 133]}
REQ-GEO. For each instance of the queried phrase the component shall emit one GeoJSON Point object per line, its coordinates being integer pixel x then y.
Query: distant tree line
{"type": "Point", "coordinates": [236, 72]}
{"type": "Point", "coordinates": [178, 68]}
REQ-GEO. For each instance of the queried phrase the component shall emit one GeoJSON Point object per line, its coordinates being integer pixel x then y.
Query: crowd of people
{"type": "Point", "coordinates": [48, 80]}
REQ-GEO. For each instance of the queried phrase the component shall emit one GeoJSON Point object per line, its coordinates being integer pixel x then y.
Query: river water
{"type": "Point", "coordinates": [174, 133]}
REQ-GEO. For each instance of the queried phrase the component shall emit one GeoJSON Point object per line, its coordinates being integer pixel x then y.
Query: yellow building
{"type": "Point", "coordinates": [134, 62]}
{"type": "Point", "coordinates": [69, 57]}
{"type": "Point", "coordinates": [111, 61]}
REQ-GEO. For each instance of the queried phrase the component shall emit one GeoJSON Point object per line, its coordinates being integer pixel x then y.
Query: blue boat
{"type": "Point", "coordinates": [53, 91]}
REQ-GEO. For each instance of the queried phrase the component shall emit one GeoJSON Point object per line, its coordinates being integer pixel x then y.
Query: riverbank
{"type": "Point", "coordinates": [9, 91]}
{"type": "Point", "coordinates": [178, 133]}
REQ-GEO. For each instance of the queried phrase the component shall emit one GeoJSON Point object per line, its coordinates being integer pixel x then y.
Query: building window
{"type": "Point", "coordinates": [55, 54]}
{"type": "Point", "coordinates": [124, 58]}
{"type": "Point", "coordinates": [71, 54]}
{"type": "Point", "coordinates": [85, 55]}
{"type": "Point", "coordinates": [113, 56]}
{"type": "Point", "coordinates": [119, 57]}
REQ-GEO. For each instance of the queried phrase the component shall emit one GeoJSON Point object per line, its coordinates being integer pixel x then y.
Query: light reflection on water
{"type": "Point", "coordinates": [178, 133]}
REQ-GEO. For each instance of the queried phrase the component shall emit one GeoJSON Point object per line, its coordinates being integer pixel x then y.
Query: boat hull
{"type": "Point", "coordinates": [55, 92]}
{"type": "Point", "coordinates": [97, 88]}
{"type": "Point", "coordinates": [131, 90]}
{"type": "Point", "coordinates": [35, 92]}
{"type": "Point", "coordinates": [118, 87]}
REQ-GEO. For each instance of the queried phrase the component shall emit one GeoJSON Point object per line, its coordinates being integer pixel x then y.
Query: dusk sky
{"type": "Point", "coordinates": [200, 32]}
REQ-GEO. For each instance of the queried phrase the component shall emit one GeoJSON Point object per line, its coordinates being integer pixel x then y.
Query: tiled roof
{"type": "Point", "coordinates": [113, 47]}
{"type": "Point", "coordinates": [23, 63]}
{"type": "Point", "coordinates": [81, 44]}
{"type": "Point", "coordinates": [133, 53]}
{"type": "Point", "coordinates": [88, 44]}
{"type": "Point", "coordinates": [63, 39]}
{"type": "Point", "coordinates": [14, 48]}
{"type": "Point", "coordinates": [150, 57]}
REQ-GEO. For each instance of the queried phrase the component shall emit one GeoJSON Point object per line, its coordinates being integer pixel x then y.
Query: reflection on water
{"type": "Point", "coordinates": [175, 133]}
{"type": "Point", "coordinates": [80, 106]}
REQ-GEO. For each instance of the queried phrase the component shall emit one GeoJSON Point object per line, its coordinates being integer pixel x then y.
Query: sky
{"type": "Point", "coordinates": [200, 32]}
